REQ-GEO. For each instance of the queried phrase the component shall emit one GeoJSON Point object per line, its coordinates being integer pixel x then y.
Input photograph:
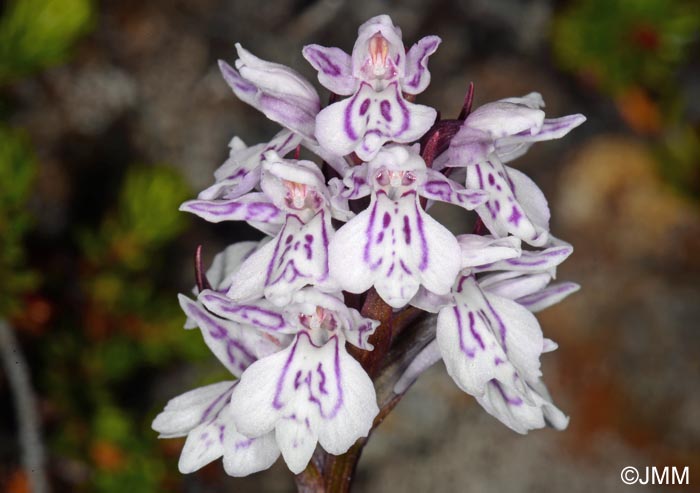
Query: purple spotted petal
{"type": "Point", "coordinates": [367, 120]}
{"type": "Point", "coordinates": [480, 250]}
{"type": "Point", "coordinates": [359, 330]}
{"type": "Point", "coordinates": [484, 337]}
{"type": "Point", "coordinates": [244, 456]}
{"type": "Point", "coordinates": [503, 118]}
{"type": "Point", "coordinates": [201, 415]}
{"type": "Point", "coordinates": [296, 257]}
{"type": "Point", "coordinates": [253, 207]}
{"type": "Point", "coordinates": [395, 247]}
{"type": "Point", "coordinates": [259, 315]}
{"type": "Point", "coordinates": [515, 206]}
{"type": "Point", "coordinates": [240, 173]}
{"type": "Point", "coordinates": [340, 208]}
{"type": "Point", "coordinates": [197, 415]}
{"type": "Point", "coordinates": [334, 68]}
{"type": "Point", "coordinates": [306, 393]}
{"type": "Point", "coordinates": [530, 198]}
{"type": "Point", "coordinates": [276, 79]}
{"type": "Point", "coordinates": [509, 406]}
{"type": "Point", "coordinates": [187, 411]}
{"type": "Point", "coordinates": [232, 188]}
{"type": "Point", "coordinates": [279, 92]}
{"type": "Point", "coordinates": [531, 261]}
{"type": "Point", "coordinates": [514, 285]}
{"type": "Point", "coordinates": [548, 296]}
{"type": "Point", "coordinates": [355, 184]}
{"type": "Point", "coordinates": [512, 147]}
{"type": "Point", "coordinates": [470, 146]}
{"type": "Point", "coordinates": [430, 302]}
{"type": "Point", "coordinates": [417, 77]}
{"type": "Point", "coordinates": [236, 346]}
{"type": "Point", "coordinates": [506, 129]}
{"type": "Point", "coordinates": [438, 187]}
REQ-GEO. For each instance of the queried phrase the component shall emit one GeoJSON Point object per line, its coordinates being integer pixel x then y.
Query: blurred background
{"type": "Point", "coordinates": [113, 112]}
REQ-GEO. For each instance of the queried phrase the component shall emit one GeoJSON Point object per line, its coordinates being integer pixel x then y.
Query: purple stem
{"type": "Point", "coordinates": [467, 106]}
{"type": "Point", "coordinates": [199, 274]}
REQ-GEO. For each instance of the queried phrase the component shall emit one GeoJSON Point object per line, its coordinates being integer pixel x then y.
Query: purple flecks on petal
{"type": "Point", "coordinates": [417, 75]}
{"type": "Point", "coordinates": [481, 177]}
{"type": "Point", "coordinates": [427, 49]}
{"type": "Point", "coordinates": [405, 114]}
{"type": "Point", "coordinates": [215, 406]}
{"type": "Point", "coordinates": [385, 108]}
{"type": "Point", "coordinates": [314, 379]}
{"type": "Point", "coordinates": [511, 401]}
{"type": "Point", "coordinates": [322, 375]}
{"type": "Point", "coordinates": [469, 352]}
{"type": "Point", "coordinates": [472, 329]}
{"type": "Point", "coordinates": [423, 241]}
{"type": "Point", "coordinates": [499, 323]}
{"type": "Point", "coordinates": [406, 230]}
{"type": "Point", "coordinates": [248, 314]}
{"type": "Point", "coordinates": [293, 263]}
{"type": "Point", "coordinates": [386, 220]}
{"type": "Point", "coordinates": [237, 355]}
{"type": "Point", "coordinates": [368, 243]}
{"type": "Point", "coordinates": [233, 210]}
{"type": "Point", "coordinates": [439, 187]}
{"type": "Point", "coordinates": [349, 130]}
{"type": "Point", "coordinates": [515, 216]}
{"type": "Point", "coordinates": [364, 107]}
{"type": "Point", "coordinates": [244, 444]}
{"type": "Point", "coordinates": [323, 62]}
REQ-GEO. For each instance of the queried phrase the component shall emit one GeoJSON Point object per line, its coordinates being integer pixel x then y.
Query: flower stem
{"type": "Point", "coordinates": [340, 469]}
{"type": "Point", "coordinates": [396, 341]}
{"type": "Point", "coordinates": [310, 479]}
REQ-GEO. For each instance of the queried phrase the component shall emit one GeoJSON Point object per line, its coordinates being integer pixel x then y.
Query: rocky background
{"type": "Point", "coordinates": [132, 117]}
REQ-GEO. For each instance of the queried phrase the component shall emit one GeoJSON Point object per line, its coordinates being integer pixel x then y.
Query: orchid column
{"type": "Point", "coordinates": [356, 289]}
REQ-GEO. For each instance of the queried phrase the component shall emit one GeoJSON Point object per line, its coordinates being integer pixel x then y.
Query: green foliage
{"type": "Point", "coordinates": [680, 153]}
{"type": "Point", "coordinates": [149, 204]}
{"type": "Point", "coordinates": [146, 218]}
{"type": "Point", "coordinates": [620, 43]}
{"type": "Point", "coordinates": [117, 319]}
{"type": "Point", "coordinates": [38, 33]}
{"type": "Point", "coordinates": [17, 171]}
{"type": "Point", "coordinates": [124, 456]}
{"type": "Point", "coordinates": [126, 324]}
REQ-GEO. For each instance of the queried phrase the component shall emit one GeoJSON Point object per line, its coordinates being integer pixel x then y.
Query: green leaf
{"type": "Point", "coordinates": [38, 33]}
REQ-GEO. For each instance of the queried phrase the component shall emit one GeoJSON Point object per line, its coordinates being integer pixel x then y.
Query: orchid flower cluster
{"type": "Point", "coordinates": [294, 316]}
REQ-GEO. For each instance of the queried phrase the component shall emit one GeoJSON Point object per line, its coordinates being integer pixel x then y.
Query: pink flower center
{"type": "Point", "coordinates": [388, 178]}
{"type": "Point", "coordinates": [297, 195]}
{"type": "Point", "coordinates": [379, 65]}
{"type": "Point", "coordinates": [323, 319]}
